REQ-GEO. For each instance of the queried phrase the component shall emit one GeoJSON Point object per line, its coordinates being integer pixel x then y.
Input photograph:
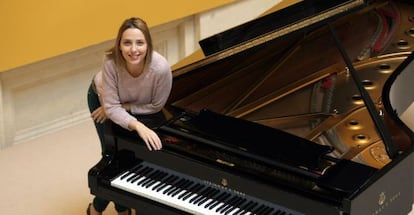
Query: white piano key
{"type": "Point", "coordinates": [175, 190]}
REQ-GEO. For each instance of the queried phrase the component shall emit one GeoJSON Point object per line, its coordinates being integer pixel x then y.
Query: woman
{"type": "Point", "coordinates": [131, 91]}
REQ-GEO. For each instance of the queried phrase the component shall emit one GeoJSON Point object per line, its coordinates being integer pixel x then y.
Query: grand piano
{"type": "Point", "coordinates": [306, 110]}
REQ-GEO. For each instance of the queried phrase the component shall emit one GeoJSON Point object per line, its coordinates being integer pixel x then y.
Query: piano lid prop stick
{"type": "Point", "coordinates": [392, 149]}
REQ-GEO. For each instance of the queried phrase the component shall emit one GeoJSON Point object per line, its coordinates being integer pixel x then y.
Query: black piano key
{"type": "Point", "coordinates": [242, 206]}
{"type": "Point", "coordinates": [157, 178]}
{"type": "Point", "coordinates": [173, 186]}
{"type": "Point", "coordinates": [138, 179]}
{"type": "Point", "coordinates": [196, 198]}
{"type": "Point", "coordinates": [131, 171]}
{"type": "Point", "coordinates": [145, 178]}
{"type": "Point", "coordinates": [133, 177]}
{"type": "Point", "coordinates": [183, 187]}
{"type": "Point", "coordinates": [239, 210]}
{"type": "Point", "coordinates": [170, 183]}
{"type": "Point", "coordinates": [202, 196]}
{"type": "Point", "coordinates": [259, 210]}
{"type": "Point", "coordinates": [215, 193]}
{"type": "Point", "coordinates": [208, 196]}
{"type": "Point", "coordinates": [162, 181]}
{"type": "Point", "coordinates": [229, 204]}
{"type": "Point", "coordinates": [136, 173]}
{"type": "Point", "coordinates": [245, 213]}
{"type": "Point", "coordinates": [180, 187]}
{"type": "Point", "coordinates": [239, 201]}
{"type": "Point", "coordinates": [199, 194]}
{"type": "Point", "coordinates": [141, 173]}
{"type": "Point", "coordinates": [249, 206]}
{"type": "Point", "coordinates": [150, 172]}
{"type": "Point", "coordinates": [268, 210]}
{"type": "Point", "coordinates": [212, 198]}
{"type": "Point", "coordinates": [189, 191]}
{"type": "Point", "coordinates": [167, 182]}
{"type": "Point", "coordinates": [149, 178]}
{"type": "Point", "coordinates": [193, 191]}
{"type": "Point", "coordinates": [226, 205]}
{"type": "Point", "coordinates": [141, 170]}
{"type": "Point", "coordinates": [234, 208]}
{"type": "Point", "coordinates": [186, 188]}
{"type": "Point", "coordinates": [221, 199]}
{"type": "Point", "coordinates": [216, 199]}
{"type": "Point", "coordinates": [176, 186]}
{"type": "Point", "coordinates": [272, 209]}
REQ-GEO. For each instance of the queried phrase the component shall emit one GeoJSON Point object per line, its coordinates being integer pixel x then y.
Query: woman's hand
{"type": "Point", "coordinates": [98, 115]}
{"type": "Point", "coordinates": [150, 138]}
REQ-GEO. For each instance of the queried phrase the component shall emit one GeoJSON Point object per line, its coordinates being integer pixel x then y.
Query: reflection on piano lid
{"type": "Point", "coordinates": [248, 139]}
{"type": "Point", "coordinates": [396, 93]}
{"type": "Point", "coordinates": [407, 116]}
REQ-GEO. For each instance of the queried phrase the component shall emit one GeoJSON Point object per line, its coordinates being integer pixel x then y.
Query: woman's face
{"type": "Point", "coordinates": [133, 46]}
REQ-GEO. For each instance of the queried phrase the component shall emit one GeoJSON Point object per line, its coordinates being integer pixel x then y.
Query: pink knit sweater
{"type": "Point", "coordinates": [147, 93]}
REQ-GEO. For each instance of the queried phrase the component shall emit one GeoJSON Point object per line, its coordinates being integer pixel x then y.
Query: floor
{"type": "Point", "coordinates": [48, 175]}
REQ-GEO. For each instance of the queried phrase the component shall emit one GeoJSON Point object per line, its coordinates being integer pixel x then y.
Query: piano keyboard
{"type": "Point", "coordinates": [191, 194]}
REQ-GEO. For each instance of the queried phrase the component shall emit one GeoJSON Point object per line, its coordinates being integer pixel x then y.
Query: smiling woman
{"type": "Point", "coordinates": [52, 50]}
{"type": "Point", "coordinates": [132, 89]}
{"type": "Point", "coordinates": [38, 30]}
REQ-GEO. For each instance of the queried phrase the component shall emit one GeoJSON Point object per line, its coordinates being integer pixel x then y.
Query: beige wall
{"type": "Point", "coordinates": [37, 30]}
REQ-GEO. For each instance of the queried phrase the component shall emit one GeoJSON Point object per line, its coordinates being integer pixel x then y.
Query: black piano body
{"type": "Point", "coordinates": [272, 122]}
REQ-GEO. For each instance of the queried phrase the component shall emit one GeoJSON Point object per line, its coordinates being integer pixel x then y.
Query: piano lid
{"type": "Point", "coordinates": [299, 16]}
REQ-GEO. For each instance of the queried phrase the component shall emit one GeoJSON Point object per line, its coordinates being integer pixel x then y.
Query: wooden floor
{"type": "Point", "coordinates": [48, 175]}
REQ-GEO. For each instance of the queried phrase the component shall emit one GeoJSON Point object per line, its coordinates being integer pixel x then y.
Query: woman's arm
{"type": "Point", "coordinates": [98, 115]}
